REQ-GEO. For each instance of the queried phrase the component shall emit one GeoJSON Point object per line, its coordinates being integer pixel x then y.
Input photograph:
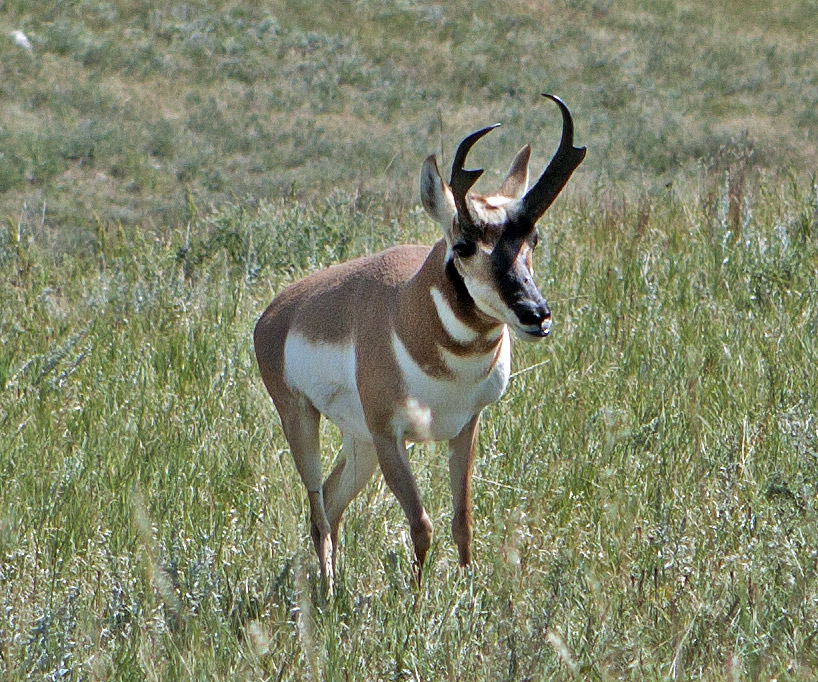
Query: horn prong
{"type": "Point", "coordinates": [462, 179]}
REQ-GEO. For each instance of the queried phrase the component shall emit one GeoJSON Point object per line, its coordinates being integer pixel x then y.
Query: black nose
{"type": "Point", "coordinates": [533, 314]}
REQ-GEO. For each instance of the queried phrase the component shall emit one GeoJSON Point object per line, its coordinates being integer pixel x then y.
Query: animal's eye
{"type": "Point", "coordinates": [465, 248]}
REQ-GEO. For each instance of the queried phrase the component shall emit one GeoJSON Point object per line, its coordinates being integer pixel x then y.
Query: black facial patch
{"type": "Point", "coordinates": [518, 228]}
{"type": "Point", "coordinates": [459, 285]}
{"type": "Point", "coordinates": [503, 257]}
{"type": "Point", "coordinates": [514, 284]}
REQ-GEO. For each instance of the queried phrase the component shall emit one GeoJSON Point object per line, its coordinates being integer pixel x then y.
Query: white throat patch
{"type": "Point", "coordinates": [456, 329]}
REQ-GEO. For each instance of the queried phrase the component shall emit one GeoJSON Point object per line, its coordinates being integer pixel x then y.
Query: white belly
{"type": "Point", "coordinates": [325, 373]}
{"type": "Point", "coordinates": [438, 409]}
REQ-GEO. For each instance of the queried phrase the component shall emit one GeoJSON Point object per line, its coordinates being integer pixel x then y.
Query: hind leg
{"type": "Point", "coordinates": [358, 462]}
{"type": "Point", "coordinates": [300, 421]}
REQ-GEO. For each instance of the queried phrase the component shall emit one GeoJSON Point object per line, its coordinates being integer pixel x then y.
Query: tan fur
{"type": "Point", "coordinates": [362, 301]}
{"type": "Point", "coordinates": [411, 344]}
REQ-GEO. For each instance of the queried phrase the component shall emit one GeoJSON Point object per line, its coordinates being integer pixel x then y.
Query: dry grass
{"type": "Point", "coordinates": [234, 99]}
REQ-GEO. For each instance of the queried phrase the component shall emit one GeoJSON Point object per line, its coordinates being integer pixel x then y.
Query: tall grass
{"type": "Point", "coordinates": [645, 493]}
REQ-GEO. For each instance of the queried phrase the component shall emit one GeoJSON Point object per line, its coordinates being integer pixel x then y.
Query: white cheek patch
{"type": "Point", "coordinates": [527, 254]}
{"type": "Point", "coordinates": [488, 301]}
{"type": "Point", "coordinates": [485, 296]}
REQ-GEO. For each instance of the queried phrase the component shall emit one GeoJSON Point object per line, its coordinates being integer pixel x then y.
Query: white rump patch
{"type": "Point", "coordinates": [325, 373]}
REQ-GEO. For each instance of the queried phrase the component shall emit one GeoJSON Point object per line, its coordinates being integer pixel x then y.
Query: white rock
{"type": "Point", "coordinates": [21, 39]}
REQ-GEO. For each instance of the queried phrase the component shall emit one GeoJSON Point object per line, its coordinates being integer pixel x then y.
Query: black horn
{"type": "Point", "coordinates": [562, 165]}
{"type": "Point", "coordinates": [463, 180]}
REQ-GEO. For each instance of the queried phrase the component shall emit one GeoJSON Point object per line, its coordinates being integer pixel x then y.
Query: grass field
{"type": "Point", "coordinates": [646, 494]}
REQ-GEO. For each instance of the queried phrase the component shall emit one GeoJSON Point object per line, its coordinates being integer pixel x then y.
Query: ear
{"type": "Point", "coordinates": [435, 194]}
{"type": "Point", "coordinates": [516, 183]}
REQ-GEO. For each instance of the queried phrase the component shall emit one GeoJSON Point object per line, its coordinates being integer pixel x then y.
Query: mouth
{"type": "Point", "coordinates": [532, 333]}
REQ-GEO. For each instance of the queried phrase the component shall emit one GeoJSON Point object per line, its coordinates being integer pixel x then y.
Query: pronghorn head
{"type": "Point", "coordinates": [491, 238]}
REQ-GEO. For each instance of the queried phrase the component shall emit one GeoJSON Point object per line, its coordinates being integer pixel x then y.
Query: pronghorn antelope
{"type": "Point", "coordinates": [410, 344]}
